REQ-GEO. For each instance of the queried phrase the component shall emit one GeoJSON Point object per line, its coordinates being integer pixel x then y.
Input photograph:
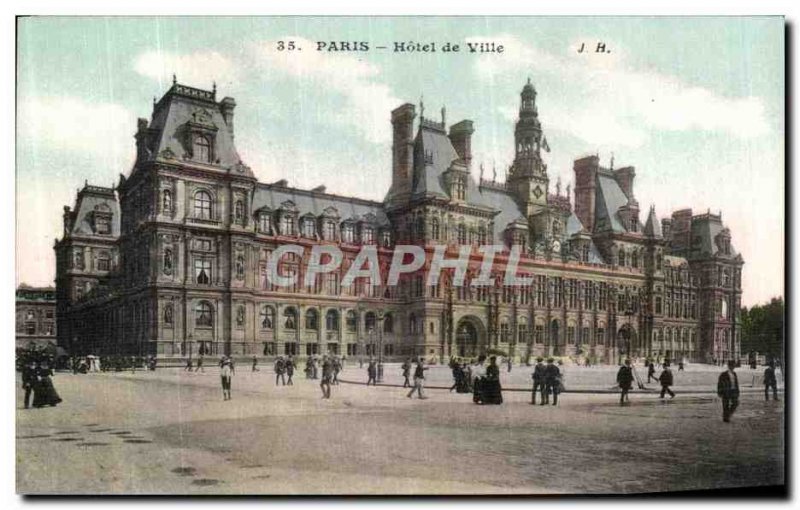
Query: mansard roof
{"type": "Point", "coordinates": [501, 201]}
{"type": "Point", "coordinates": [574, 226]}
{"type": "Point", "coordinates": [92, 198]}
{"type": "Point", "coordinates": [316, 203]}
{"type": "Point", "coordinates": [705, 230]}
{"type": "Point", "coordinates": [610, 198]}
{"type": "Point", "coordinates": [182, 106]}
{"type": "Point", "coordinates": [433, 156]}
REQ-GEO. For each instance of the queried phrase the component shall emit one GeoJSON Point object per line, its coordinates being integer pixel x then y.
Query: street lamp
{"type": "Point", "coordinates": [380, 346]}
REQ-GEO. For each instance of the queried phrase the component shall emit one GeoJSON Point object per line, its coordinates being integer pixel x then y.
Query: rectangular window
{"type": "Point", "coordinates": [103, 225]}
{"type": "Point", "coordinates": [538, 334]}
{"type": "Point", "coordinates": [30, 329]}
{"type": "Point", "coordinates": [290, 348]}
{"type": "Point", "coordinates": [367, 235]}
{"type": "Point", "coordinates": [202, 271]}
{"type": "Point", "coordinates": [264, 223]}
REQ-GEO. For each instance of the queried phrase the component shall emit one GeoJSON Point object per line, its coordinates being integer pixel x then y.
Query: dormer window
{"type": "Point", "coordinates": [101, 219]}
{"type": "Point", "coordinates": [367, 235]}
{"type": "Point", "coordinates": [329, 230]}
{"type": "Point", "coordinates": [264, 222]}
{"type": "Point", "coordinates": [308, 227]}
{"type": "Point", "coordinates": [287, 225]}
{"type": "Point", "coordinates": [201, 149]}
{"type": "Point", "coordinates": [460, 188]}
{"type": "Point", "coordinates": [386, 239]}
{"type": "Point", "coordinates": [348, 234]}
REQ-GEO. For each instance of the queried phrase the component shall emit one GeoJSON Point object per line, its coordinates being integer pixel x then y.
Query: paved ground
{"type": "Point", "coordinates": [170, 432]}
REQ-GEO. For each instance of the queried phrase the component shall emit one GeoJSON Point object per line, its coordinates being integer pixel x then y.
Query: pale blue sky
{"type": "Point", "coordinates": [696, 104]}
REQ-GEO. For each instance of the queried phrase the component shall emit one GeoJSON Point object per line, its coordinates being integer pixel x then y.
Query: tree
{"type": "Point", "coordinates": [763, 328]}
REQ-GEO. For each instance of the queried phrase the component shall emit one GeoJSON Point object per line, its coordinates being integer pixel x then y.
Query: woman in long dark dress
{"type": "Point", "coordinates": [490, 387]}
{"type": "Point", "coordinates": [478, 376]}
{"type": "Point", "coordinates": [45, 393]}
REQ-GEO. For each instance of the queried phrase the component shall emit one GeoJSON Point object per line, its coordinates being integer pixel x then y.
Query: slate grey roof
{"type": "Point", "coordinates": [428, 177]}
{"type": "Point", "coordinates": [85, 205]}
{"type": "Point", "coordinates": [653, 227]}
{"type": "Point", "coordinates": [501, 201]}
{"type": "Point", "coordinates": [174, 110]}
{"type": "Point", "coordinates": [315, 203]}
{"type": "Point", "coordinates": [610, 198]}
{"type": "Point", "coordinates": [704, 232]}
{"type": "Point", "coordinates": [574, 226]}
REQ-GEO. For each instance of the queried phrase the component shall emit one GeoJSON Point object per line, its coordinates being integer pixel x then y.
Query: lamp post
{"type": "Point", "coordinates": [380, 346]}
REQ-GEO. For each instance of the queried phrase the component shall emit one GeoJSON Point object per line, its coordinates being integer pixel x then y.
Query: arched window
{"type": "Point", "coordinates": [267, 317]}
{"type": "Point", "coordinates": [348, 234]}
{"type": "Point", "coordinates": [388, 323]}
{"type": "Point", "coordinates": [329, 230]}
{"type": "Point", "coordinates": [635, 260]}
{"type": "Point", "coordinates": [166, 203]}
{"type": "Point", "coordinates": [462, 234]}
{"type": "Point", "coordinates": [369, 321]}
{"type": "Point", "coordinates": [202, 205]}
{"type": "Point", "coordinates": [202, 149]}
{"type": "Point", "coordinates": [435, 228]}
{"type": "Point", "coordinates": [504, 330]}
{"type": "Point", "coordinates": [332, 320]}
{"type": "Point", "coordinates": [204, 314]}
{"type": "Point", "coordinates": [312, 319]}
{"type": "Point", "coordinates": [290, 318]}
{"type": "Point", "coordinates": [621, 258]}
{"type": "Point", "coordinates": [308, 227]}
{"type": "Point", "coordinates": [351, 321]}
{"type": "Point", "coordinates": [238, 212]}
{"type": "Point", "coordinates": [264, 222]}
{"type": "Point", "coordinates": [287, 225]}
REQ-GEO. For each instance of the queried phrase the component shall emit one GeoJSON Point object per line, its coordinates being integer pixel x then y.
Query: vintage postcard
{"type": "Point", "coordinates": [400, 255]}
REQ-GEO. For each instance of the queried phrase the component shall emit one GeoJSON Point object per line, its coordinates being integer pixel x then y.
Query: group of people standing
{"type": "Point", "coordinates": [38, 383]}
{"type": "Point", "coordinates": [547, 380]}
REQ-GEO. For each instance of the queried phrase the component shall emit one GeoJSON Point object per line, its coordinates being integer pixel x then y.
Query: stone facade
{"type": "Point", "coordinates": [172, 262]}
{"type": "Point", "coordinates": [36, 317]}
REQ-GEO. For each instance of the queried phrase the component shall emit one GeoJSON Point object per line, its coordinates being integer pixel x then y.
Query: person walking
{"type": "Point", "coordinates": [728, 391]}
{"type": "Point", "coordinates": [372, 372]}
{"type": "Point", "coordinates": [337, 367]}
{"type": "Point", "coordinates": [651, 371]}
{"type": "Point", "coordinates": [478, 375]}
{"type": "Point", "coordinates": [552, 382]}
{"type": "Point", "coordinates": [255, 364]}
{"type": "Point", "coordinates": [226, 374]}
{"type": "Point", "coordinates": [492, 391]}
{"type": "Point", "coordinates": [666, 381]}
{"type": "Point", "coordinates": [625, 381]}
{"type": "Point", "coordinates": [280, 370]}
{"type": "Point", "coordinates": [770, 381]}
{"type": "Point", "coordinates": [289, 370]}
{"type": "Point", "coordinates": [44, 393]}
{"type": "Point", "coordinates": [200, 365]}
{"type": "Point", "coordinates": [419, 380]}
{"type": "Point", "coordinates": [188, 367]}
{"type": "Point", "coordinates": [406, 372]}
{"type": "Point", "coordinates": [28, 381]}
{"type": "Point", "coordinates": [538, 380]}
{"type": "Point", "coordinates": [327, 373]}
{"type": "Point", "coordinates": [509, 363]}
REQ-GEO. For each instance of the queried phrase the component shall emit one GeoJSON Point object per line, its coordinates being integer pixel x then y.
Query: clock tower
{"type": "Point", "coordinates": [528, 176]}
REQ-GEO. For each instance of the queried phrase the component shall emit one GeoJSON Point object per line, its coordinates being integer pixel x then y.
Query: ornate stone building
{"type": "Point", "coordinates": [173, 261]}
{"type": "Point", "coordinates": [36, 317]}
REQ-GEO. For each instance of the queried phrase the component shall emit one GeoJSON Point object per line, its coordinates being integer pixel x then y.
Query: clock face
{"type": "Point", "coordinates": [556, 246]}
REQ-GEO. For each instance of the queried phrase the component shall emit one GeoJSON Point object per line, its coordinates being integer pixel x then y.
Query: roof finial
{"type": "Point", "coordinates": [529, 80]}
{"type": "Point", "coordinates": [214, 86]}
{"type": "Point", "coordinates": [612, 161]}
{"type": "Point", "coordinates": [421, 108]}
{"type": "Point", "coordinates": [174, 79]}
{"type": "Point", "coordinates": [444, 115]}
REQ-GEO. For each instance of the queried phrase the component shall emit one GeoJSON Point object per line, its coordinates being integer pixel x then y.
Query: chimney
{"type": "Point", "coordinates": [586, 189]}
{"type": "Point", "coordinates": [624, 177]}
{"type": "Point", "coordinates": [226, 106]}
{"type": "Point", "coordinates": [402, 150]}
{"type": "Point", "coordinates": [461, 138]}
{"type": "Point", "coordinates": [666, 227]}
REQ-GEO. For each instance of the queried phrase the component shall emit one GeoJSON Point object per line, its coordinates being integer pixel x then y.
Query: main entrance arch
{"type": "Point", "coordinates": [470, 338]}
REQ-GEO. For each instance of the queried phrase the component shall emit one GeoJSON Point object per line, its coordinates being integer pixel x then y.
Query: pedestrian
{"type": "Point", "coordinates": [255, 364]}
{"type": "Point", "coordinates": [651, 371]}
{"type": "Point", "coordinates": [325, 383]}
{"type": "Point", "coordinates": [200, 365]}
{"type": "Point", "coordinates": [280, 370]}
{"type": "Point", "coordinates": [44, 393]}
{"type": "Point", "coordinates": [666, 381]}
{"type": "Point", "coordinates": [308, 367]}
{"type": "Point", "coordinates": [188, 365]}
{"type": "Point", "coordinates": [406, 372]}
{"type": "Point", "coordinates": [289, 371]}
{"type": "Point", "coordinates": [315, 368]}
{"type": "Point", "coordinates": [508, 362]}
{"type": "Point", "coordinates": [728, 391]}
{"type": "Point", "coordinates": [226, 372]}
{"type": "Point", "coordinates": [337, 367]}
{"type": "Point", "coordinates": [680, 366]}
{"type": "Point", "coordinates": [625, 381]}
{"type": "Point", "coordinates": [770, 381]}
{"type": "Point", "coordinates": [372, 372]}
{"type": "Point", "coordinates": [360, 362]}
{"type": "Point", "coordinates": [491, 391]}
{"type": "Point", "coordinates": [28, 381]}
{"type": "Point", "coordinates": [458, 374]}
{"type": "Point", "coordinates": [419, 380]}
{"type": "Point", "coordinates": [538, 380]}
{"type": "Point", "coordinates": [552, 382]}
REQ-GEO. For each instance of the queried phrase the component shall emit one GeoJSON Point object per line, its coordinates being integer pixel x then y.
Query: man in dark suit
{"type": "Point", "coordinates": [770, 381]}
{"type": "Point", "coordinates": [666, 381]}
{"type": "Point", "coordinates": [538, 380]}
{"type": "Point", "coordinates": [406, 372]}
{"type": "Point", "coordinates": [625, 381]}
{"type": "Point", "coordinates": [28, 381]}
{"type": "Point", "coordinates": [552, 380]}
{"type": "Point", "coordinates": [728, 391]}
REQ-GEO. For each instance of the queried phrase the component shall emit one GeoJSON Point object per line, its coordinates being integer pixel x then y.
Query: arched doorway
{"type": "Point", "coordinates": [469, 338]}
